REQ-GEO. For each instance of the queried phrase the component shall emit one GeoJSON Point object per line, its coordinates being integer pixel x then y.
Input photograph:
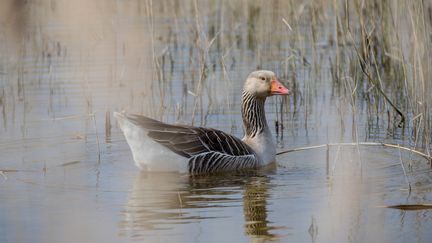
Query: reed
{"type": "Point", "coordinates": [378, 57]}
{"type": "Point", "coordinates": [374, 56]}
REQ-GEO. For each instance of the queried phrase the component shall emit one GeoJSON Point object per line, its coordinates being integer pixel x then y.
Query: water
{"type": "Point", "coordinates": [68, 174]}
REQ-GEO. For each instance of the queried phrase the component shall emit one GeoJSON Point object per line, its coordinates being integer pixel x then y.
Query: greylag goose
{"type": "Point", "coordinates": [157, 146]}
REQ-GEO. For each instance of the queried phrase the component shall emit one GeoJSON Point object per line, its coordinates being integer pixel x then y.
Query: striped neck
{"type": "Point", "coordinates": [254, 119]}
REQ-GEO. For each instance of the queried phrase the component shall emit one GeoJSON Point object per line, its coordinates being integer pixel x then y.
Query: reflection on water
{"type": "Point", "coordinates": [299, 201]}
{"type": "Point", "coordinates": [67, 172]}
{"type": "Point", "coordinates": [159, 201]}
{"type": "Point", "coordinates": [153, 201]}
{"type": "Point", "coordinates": [255, 208]}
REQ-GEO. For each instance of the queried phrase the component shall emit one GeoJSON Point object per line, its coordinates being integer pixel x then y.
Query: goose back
{"type": "Point", "coordinates": [207, 150]}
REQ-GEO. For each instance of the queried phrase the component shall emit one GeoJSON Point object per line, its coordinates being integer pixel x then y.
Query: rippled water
{"type": "Point", "coordinates": [68, 174]}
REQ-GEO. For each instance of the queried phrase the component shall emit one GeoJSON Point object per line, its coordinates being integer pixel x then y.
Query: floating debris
{"type": "Point", "coordinates": [410, 206]}
{"type": "Point", "coordinates": [69, 163]}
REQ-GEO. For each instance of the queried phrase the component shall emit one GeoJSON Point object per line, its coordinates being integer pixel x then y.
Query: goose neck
{"type": "Point", "coordinates": [254, 119]}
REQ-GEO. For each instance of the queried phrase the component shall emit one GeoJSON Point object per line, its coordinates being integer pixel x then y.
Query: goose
{"type": "Point", "coordinates": [158, 146]}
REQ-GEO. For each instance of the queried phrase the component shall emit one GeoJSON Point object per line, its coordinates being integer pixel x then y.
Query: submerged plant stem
{"type": "Point", "coordinates": [429, 158]}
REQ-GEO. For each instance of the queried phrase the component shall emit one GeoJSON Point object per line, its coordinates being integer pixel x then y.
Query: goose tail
{"type": "Point", "coordinates": [147, 154]}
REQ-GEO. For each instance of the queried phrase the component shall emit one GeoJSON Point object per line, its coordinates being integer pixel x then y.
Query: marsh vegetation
{"type": "Point", "coordinates": [359, 71]}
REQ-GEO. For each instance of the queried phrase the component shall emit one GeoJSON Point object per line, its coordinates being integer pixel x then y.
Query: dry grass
{"type": "Point", "coordinates": [392, 45]}
{"type": "Point", "coordinates": [371, 52]}
{"type": "Point", "coordinates": [377, 51]}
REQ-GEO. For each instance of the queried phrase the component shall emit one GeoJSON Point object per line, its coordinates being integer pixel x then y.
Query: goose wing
{"type": "Point", "coordinates": [208, 150]}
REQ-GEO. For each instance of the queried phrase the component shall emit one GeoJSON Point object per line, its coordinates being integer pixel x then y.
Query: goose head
{"type": "Point", "coordinates": [263, 83]}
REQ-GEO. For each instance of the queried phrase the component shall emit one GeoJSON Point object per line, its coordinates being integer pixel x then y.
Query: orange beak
{"type": "Point", "coordinates": [277, 88]}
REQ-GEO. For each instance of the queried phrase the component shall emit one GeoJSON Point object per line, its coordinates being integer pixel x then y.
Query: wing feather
{"type": "Point", "coordinates": [208, 150]}
{"type": "Point", "coordinates": [211, 162]}
{"type": "Point", "coordinates": [189, 141]}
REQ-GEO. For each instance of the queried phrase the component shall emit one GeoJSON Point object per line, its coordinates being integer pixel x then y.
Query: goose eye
{"type": "Point", "coordinates": [262, 78]}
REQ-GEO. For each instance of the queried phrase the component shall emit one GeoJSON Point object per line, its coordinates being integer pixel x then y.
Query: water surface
{"type": "Point", "coordinates": [68, 174]}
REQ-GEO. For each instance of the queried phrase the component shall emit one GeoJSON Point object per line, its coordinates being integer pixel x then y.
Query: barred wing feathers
{"type": "Point", "coordinates": [208, 150]}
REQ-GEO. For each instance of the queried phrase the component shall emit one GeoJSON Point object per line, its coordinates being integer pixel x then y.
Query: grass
{"type": "Point", "coordinates": [368, 57]}
{"type": "Point", "coordinates": [376, 52]}
{"type": "Point", "coordinates": [392, 56]}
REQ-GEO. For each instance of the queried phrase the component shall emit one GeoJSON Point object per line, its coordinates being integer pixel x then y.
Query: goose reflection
{"type": "Point", "coordinates": [162, 201]}
{"type": "Point", "coordinates": [255, 208]}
